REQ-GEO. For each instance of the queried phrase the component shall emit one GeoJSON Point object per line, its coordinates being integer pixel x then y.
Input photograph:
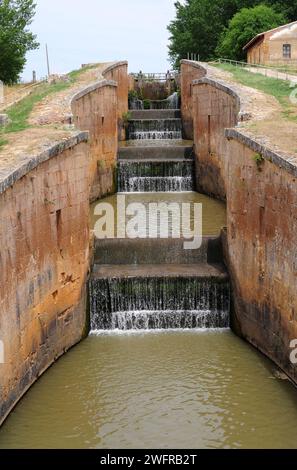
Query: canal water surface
{"type": "Point", "coordinates": [168, 389]}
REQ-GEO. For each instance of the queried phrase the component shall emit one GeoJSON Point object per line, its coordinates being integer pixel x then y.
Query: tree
{"type": "Point", "coordinates": [244, 26]}
{"type": "Point", "coordinates": [199, 24]}
{"type": "Point", "coordinates": [197, 28]}
{"type": "Point", "coordinates": [15, 38]}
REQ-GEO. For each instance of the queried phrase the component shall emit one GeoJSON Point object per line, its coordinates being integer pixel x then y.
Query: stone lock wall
{"type": "Point", "coordinates": [119, 73]}
{"type": "Point", "coordinates": [95, 109]}
{"type": "Point", "coordinates": [45, 237]}
{"type": "Point", "coordinates": [215, 108]}
{"type": "Point", "coordinates": [260, 240]}
{"type": "Point", "coordinates": [99, 109]}
{"type": "Point", "coordinates": [44, 262]}
{"type": "Point", "coordinates": [262, 248]}
{"type": "Point", "coordinates": [189, 71]}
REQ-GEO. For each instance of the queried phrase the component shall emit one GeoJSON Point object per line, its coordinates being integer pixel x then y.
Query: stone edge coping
{"type": "Point", "coordinates": [90, 88]}
{"type": "Point", "coordinates": [114, 66]}
{"type": "Point", "coordinates": [244, 114]}
{"type": "Point", "coordinates": [29, 162]}
{"type": "Point", "coordinates": [196, 65]}
{"type": "Point", "coordinates": [210, 79]}
{"type": "Point", "coordinates": [233, 90]}
{"type": "Point", "coordinates": [280, 159]}
{"type": "Point", "coordinates": [95, 86]}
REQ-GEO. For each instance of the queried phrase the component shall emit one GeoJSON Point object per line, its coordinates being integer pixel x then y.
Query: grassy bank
{"type": "Point", "coordinates": [280, 89]}
{"type": "Point", "coordinates": [19, 113]}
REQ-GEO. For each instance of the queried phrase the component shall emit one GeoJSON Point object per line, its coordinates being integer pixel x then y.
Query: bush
{"type": "Point", "coordinates": [244, 26]}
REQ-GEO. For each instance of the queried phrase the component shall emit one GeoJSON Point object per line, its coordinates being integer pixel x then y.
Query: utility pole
{"type": "Point", "coordinates": [47, 61]}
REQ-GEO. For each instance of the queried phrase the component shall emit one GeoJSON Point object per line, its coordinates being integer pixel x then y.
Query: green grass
{"type": "Point", "coordinates": [285, 68]}
{"type": "Point", "coordinates": [20, 112]}
{"type": "Point", "coordinates": [280, 89]}
{"type": "Point", "coordinates": [3, 142]}
{"type": "Point", "coordinates": [75, 74]}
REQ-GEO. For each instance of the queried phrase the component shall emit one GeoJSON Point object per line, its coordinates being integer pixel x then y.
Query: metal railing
{"type": "Point", "coordinates": [158, 77]}
{"type": "Point", "coordinates": [279, 73]}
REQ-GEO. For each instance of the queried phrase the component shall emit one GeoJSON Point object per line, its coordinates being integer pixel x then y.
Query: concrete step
{"type": "Point", "coordinates": [156, 114]}
{"type": "Point", "coordinates": [159, 296]}
{"type": "Point", "coordinates": [156, 168]}
{"type": "Point", "coordinates": [203, 271]}
{"type": "Point", "coordinates": [156, 251]}
{"type": "Point", "coordinates": [155, 152]}
{"type": "Point", "coordinates": [156, 176]}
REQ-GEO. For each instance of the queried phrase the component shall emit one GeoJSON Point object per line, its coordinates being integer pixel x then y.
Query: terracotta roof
{"type": "Point", "coordinates": [261, 35]}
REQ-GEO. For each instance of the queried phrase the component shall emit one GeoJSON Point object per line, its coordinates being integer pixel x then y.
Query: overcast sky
{"type": "Point", "coordinates": [83, 31]}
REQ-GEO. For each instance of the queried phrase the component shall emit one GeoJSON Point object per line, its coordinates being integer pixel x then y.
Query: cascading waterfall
{"type": "Point", "coordinates": [170, 184]}
{"type": "Point", "coordinates": [156, 135]}
{"type": "Point", "coordinates": [173, 101]}
{"type": "Point", "coordinates": [149, 303]}
{"type": "Point", "coordinates": [155, 129]}
{"type": "Point", "coordinates": [136, 105]}
{"type": "Point", "coordinates": [164, 176]}
{"type": "Point", "coordinates": [171, 298]}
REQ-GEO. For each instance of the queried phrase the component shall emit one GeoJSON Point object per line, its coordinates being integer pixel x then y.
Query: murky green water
{"type": "Point", "coordinates": [213, 211]}
{"type": "Point", "coordinates": [157, 390]}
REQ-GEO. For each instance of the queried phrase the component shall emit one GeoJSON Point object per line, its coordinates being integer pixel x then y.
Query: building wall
{"type": "Point", "coordinates": [259, 54]}
{"type": "Point", "coordinates": [276, 52]}
{"type": "Point", "coordinates": [270, 50]}
{"type": "Point", "coordinates": [44, 264]}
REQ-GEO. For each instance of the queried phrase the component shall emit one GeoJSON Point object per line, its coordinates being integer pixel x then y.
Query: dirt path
{"type": "Point", "coordinates": [15, 93]}
{"type": "Point", "coordinates": [267, 122]}
{"type": "Point", "coordinates": [55, 108]}
{"type": "Point", "coordinates": [47, 121]}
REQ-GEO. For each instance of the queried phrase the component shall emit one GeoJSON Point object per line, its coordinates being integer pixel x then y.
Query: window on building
{"type": "Point", "coordinates": [287, 51]}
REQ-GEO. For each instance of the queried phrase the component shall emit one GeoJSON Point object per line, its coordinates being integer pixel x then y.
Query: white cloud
{"type": "Point", "coordinates": [82, 31]}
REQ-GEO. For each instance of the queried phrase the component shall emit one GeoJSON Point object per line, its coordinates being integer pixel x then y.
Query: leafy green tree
{"type": "Point", "coordinates": [287, 8]}
{"type": "Point", "coordinates": [199, 24]}
{"type": "Point", "coordinates": [245, 25]}
{"type": "Point", "coordinates": [15, 38]}
{"type": "Point", "coordinates": [196, 28]}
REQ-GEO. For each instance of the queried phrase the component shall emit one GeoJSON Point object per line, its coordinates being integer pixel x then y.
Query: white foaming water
{"type": "Point", "coordinates": [169, 319]}
{"type": "Point", "coordinates": [155, 135]}
{"type": "Point", "coordinates": [141, 184]}
{"type": "Point", "coordinates": [194, 331]}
